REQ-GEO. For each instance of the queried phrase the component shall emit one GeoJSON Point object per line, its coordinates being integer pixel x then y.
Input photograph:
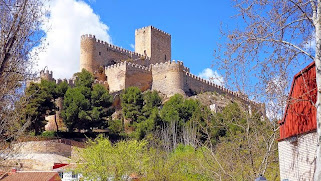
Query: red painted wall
{"type": "Point", "coordinates": [300, 114]}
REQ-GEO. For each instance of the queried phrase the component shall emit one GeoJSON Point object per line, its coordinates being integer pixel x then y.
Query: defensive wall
{"type": "Point", "coordinates": [58, 147]}
{"type": "Point", "coordinates": [173, 77]}
{"type": "Point", "coordinates": [168, 77]}
{"type": "Point", "coordinates": [95, 53]}
{"type": "Point", "coordinates": [126, 74]}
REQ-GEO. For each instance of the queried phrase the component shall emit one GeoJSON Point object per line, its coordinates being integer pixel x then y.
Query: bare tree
{"type": "Point", "coordinates": [20, 22]}
{"type": "Point", "coordinates": [277, 38]}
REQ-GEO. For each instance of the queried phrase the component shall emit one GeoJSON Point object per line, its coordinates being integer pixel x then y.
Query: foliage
{"type": "Point", "coordinates": [246, 145]}
{"type": "Point", "coordinates": [19, 33]}
{"type": "Point", "coordinates": [115, 126]}
{"type": "Point", "coordinates": [151, 100]}
{"type": "Point", "coordinates": [49, 134]}
{"type": "Point", "coordinates": [132, 104]}
{"type": "Point", "coordinates": [41, 103]}
{"type": "Point", "coordinates": [86, 105]}
{"type": "Point", "coordinates": [76, 109]}
{"type": "Point", "coordinates": [102, 160]}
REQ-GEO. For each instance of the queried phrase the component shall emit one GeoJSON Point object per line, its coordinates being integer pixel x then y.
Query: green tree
{"type": "Point", "coordinates": [61, 89]}
{"type": "Point", "coordinates": [76, 109]}
{"type": "Point", "coordinates": [152, 100]}
{"type": "Point", "coordinates": [41, 104]}
{"type": "Point", "coordinates": [101, 102]}
{"type": "Point", "coordinates": [132, 104]}
{"type": "Point", "coordinates": [86, 105]}
{"type": "Point", "coordinates": [244, 144]}
{"type": "Point", "coordinates": [102, 160]}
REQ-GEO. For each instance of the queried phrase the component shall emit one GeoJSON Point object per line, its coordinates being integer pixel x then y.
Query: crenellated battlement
{"type": "Point", "coordinates": [169, 64]}
{"type": "Point", "coordinates": [154, 28]}
{"type": "Point", "coordinates": [88, 36]}
{"type": "Point", "coordinates": [100, 82]}
{"type": "Point", "coordinates": [70, 82]}
{"type": "Point", "coordinates": [46, 75]}
{"type": "Point", "coordinates": [113, 47]}
{"type": "Point", "coordinates": [128, 64]}
{"type": "Point", "coordinates": [221, 88]}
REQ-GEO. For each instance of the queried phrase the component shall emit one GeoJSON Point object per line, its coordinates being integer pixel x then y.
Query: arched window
{"type": "Point", "coordinates": [165, 57]}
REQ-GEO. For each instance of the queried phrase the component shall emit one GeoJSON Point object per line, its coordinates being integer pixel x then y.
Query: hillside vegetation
{"type": "Point", "coordinates": [155, 139]}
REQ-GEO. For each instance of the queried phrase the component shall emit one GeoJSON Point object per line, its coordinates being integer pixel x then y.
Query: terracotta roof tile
{"type": "Point", "coordinates": [34, 176]}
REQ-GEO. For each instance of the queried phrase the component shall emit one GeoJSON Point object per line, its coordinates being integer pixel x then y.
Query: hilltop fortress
{"type": "Point", "coordinates": [149, 68]}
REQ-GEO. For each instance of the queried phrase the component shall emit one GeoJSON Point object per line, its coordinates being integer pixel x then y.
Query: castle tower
{"type": "Point", "coordinates": [87, 53]}
{"type": "Point", "coordinates": [168, 77]}
{"type": "Point", "coordinates": [154, 43]}
{"type": "Point", "coordinates": [46, 75]}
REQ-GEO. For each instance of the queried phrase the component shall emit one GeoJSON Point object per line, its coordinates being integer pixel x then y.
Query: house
{"type": "Point", "coordinates": [15, 175]}
{"type": "Point", "coordinates": [298, 137]}
{"type": "Point", "coordinates": [65, 172]}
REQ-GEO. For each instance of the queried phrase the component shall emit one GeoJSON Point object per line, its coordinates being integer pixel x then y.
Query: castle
{"type": "Point", "coordinates": [149, 68]}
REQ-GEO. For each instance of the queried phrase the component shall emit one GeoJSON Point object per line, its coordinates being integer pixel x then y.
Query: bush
{"type": "Point", "coordinates": [49, 134]}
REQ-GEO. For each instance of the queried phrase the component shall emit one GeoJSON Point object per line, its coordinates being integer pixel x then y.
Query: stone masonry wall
{"type": "Point", "coordinates": [126, 74]}
{"type": "Point", "coordinates": [168, 77]}
{"type": "Point", "coordinates": [46, 147]}
{"type": "Point", "coordinates": [116, 75]}
{"type": "Point", "coordinates": [161, 46]}
{"type": "Point", "coordinates": [138, 76]}
{"type": "Point", "coordinates": [297, 157]}
{"type": "Point", "coordinates": [153, 43]}
{"type": "Point", "coordinates": [95, 53]}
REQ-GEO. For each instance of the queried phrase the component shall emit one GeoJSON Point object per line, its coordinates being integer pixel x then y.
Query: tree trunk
{"type": "Point", "coordinates": [317, 60]}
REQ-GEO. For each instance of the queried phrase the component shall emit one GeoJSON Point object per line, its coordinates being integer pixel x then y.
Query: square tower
{"type": "Point", "coordinates": [154, 43]}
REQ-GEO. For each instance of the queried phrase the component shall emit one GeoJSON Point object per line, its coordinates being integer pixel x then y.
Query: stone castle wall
{"type": "Point", "coordinates": [95, 53]}
{"type": "Point", "coordinates": [168, 77]}
{"type": "Point", "coordinates": [126, 74]}
{"type": "Point", "coordinates": [297, 157]}
{"type": "Point", "coordinates": [116, 75]}
{"type": "Point", "coordinates": [138, 76]}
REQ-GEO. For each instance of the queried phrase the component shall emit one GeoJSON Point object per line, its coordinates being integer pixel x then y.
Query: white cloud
{"type": "Point", "coordinates": [132, 46]}
{"type": "Point", "coordinates": [211, 75]}
{"type": "Point", "coordinates": [68, 20]}
{"type": "Point", "coordinates": [310, 44]}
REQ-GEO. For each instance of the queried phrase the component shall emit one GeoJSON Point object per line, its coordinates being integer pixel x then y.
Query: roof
{"type": "Point", "coordinates": [300, 113]}
{"type": "Point", "coordinates": [32, 175]}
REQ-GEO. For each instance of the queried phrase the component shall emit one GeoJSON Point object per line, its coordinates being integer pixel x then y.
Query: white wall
{"type": "Point", "coordinates": [297, 158]}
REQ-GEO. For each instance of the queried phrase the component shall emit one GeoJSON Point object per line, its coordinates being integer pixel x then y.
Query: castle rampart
{"type": "Point", "coordinates": [168, 77]}
{"type": "Point", "coordinates": [95, 53]}
{"type": "Point", "coordinates": [126, 74]}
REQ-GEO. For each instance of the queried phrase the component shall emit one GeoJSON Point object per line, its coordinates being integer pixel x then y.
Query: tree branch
{"type": "Point", "coordinates": [285, 43]}
{"type": "Point", "coordinates": [304, 13]}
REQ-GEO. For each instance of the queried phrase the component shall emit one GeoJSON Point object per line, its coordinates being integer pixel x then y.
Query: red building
{"type": "Point", "coordinates": [298, 137]}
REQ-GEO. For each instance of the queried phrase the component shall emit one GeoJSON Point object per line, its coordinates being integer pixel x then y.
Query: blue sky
{"type": "Point", "coordinates": [194, 26]}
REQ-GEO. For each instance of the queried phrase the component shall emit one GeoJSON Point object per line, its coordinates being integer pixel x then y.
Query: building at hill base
{"type": "Point", "coordinates": [298, 137]}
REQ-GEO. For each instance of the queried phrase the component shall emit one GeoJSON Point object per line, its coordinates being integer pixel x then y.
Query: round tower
{"type": "Point", "coordinates": [87, 48]}
{"type": "Point", "coordinates": [168, 78]}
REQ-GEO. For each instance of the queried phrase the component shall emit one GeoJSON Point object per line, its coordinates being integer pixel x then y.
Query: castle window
{"type": "Point", "coordinates": [99, 53]}
{"type": "Point", "coordinates": [144, 52]}
{"type": "Point", "coordinates": [165, 57]}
